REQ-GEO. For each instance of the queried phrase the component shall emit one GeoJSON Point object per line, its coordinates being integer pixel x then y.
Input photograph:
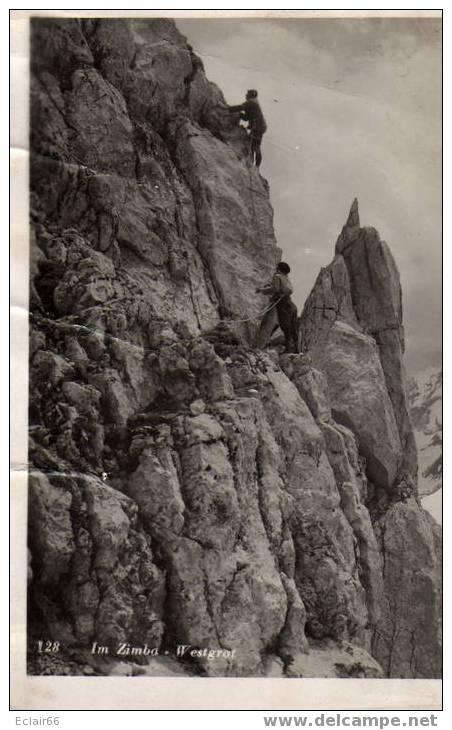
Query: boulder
{"type": "Point", "coordinates": [51, 536]}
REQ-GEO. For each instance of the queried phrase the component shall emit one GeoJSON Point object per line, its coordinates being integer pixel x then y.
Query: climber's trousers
{"type": "Point", "coordinates": [268, 325]}
{"type": "Point", "coordinates": [255, 148]}
{"type": "Point", "coordinates": [288, 321]}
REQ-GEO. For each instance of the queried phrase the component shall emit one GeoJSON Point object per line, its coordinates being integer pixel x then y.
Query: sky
{"type": "Point", "coordinates": [353, 109]}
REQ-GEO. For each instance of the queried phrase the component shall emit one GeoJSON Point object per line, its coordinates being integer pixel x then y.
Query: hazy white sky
{"type": "Point", "coordinates": [353, 108]}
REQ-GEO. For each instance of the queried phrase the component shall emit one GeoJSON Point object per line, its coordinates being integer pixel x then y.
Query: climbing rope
{"type": "Point", "coordinates": [61, 320]}
{"type": "Point", "coordinates": [256, 316]}
{"type": "Point", "coordinates": [108, 336]}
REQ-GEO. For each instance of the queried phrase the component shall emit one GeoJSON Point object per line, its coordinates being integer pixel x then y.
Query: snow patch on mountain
{"type": "Point", "coordinates": [425, 393]}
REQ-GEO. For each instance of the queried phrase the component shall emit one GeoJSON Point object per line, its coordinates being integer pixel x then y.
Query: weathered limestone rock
{"type": "Point", "coordinates": [359, 399]}
{"type": "Point", "coordinates": [51, 534]}
{"type": "Point", "coordinates": [310, 383]}
{"type": "Point", "coordinates": [377, 302]}
{"type": "Point", "coordinates": [408, 636]}
{"type": "Point", "coordinates": [359, 348]}
{"type": "Point", "coordinates": [237, 256]}
{"type": "Point", "coordinates": [329, 300]}
{"type": "Point", "coordinates": [155, 488]}
{"type": "Point", "coordinates": [187, 489]}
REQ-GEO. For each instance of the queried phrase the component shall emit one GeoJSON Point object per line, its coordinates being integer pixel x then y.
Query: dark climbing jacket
{"type": "Point", "coordinates": [252, 113]}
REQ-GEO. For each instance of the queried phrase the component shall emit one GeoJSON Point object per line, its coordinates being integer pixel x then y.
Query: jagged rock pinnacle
{"type": "Point", "coordinates": [351, 228]}
{"type": "Point", "coordinates": [353, 216]}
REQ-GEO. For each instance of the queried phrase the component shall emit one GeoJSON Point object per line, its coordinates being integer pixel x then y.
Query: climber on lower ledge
{"type": "Point", "coordinates": [282, 313]}
{"type": "Point", "coordinates": [251, 112]}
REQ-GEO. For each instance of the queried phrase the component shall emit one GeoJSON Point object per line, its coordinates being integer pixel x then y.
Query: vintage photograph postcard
{"type": "Point", "coordinates": [230, 243]}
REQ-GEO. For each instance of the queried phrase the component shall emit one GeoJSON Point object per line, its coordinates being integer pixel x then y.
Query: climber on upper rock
{"type": "Point", "coordinates": [251, 112]}
{"type": "Point", "coordinates": [283, 313]}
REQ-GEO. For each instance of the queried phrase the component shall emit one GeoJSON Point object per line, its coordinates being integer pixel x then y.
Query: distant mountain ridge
{"type": "Point", "coordinates": [425, 394]}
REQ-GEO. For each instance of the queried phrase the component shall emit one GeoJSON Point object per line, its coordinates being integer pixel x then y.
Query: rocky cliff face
{"type": "Point", "coordinates": [186, 488]}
